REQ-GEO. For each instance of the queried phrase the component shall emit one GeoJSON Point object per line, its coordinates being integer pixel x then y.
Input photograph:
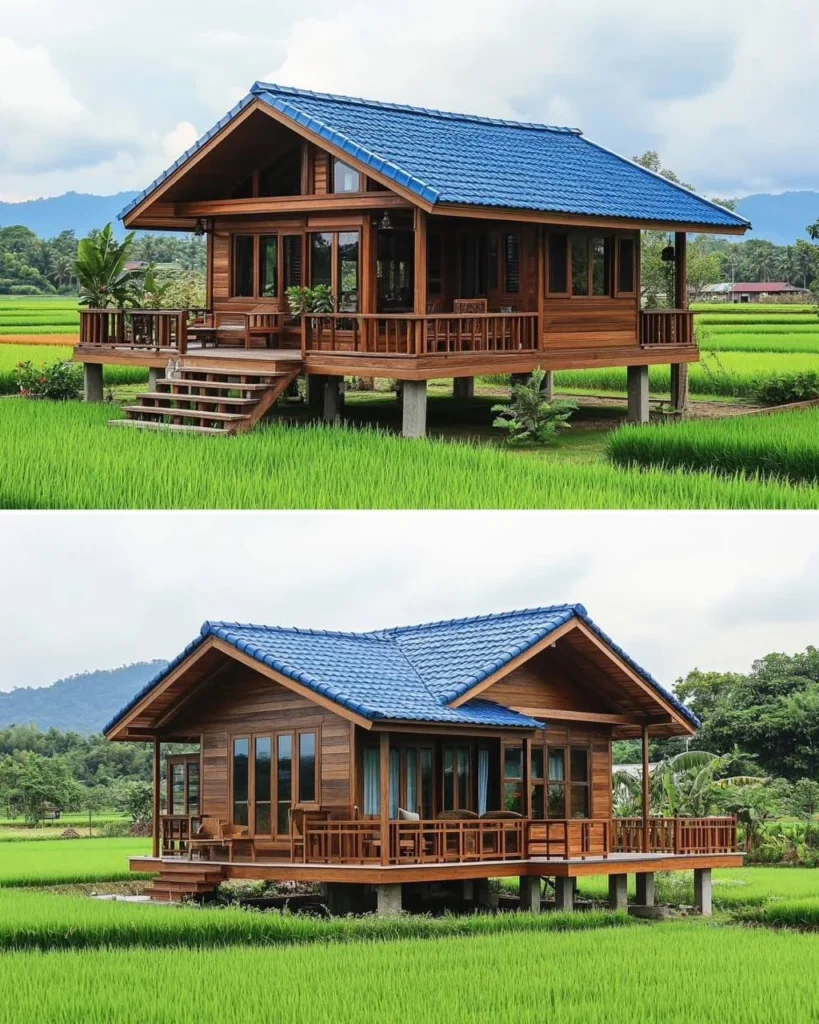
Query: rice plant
{"type": "Point", "coordinates": [784, 445]}
{"type": "Point", "coordinates": [59, 861]}
{"type": "Point", "coordinates": [11, 355]}
{"type": "Point", "coordinates": [62, 455]}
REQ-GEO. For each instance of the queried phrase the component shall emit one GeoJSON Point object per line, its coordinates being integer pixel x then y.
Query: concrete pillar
{"type": "Point", "coordinates": [548, 388]}
{"type": "Point", "coordinates": [155, 373]}
{"type": "Point", "coordinates": [484, 895]}
{"type": "Point", "coordinates": [645, 889]}
{"type": "Point", "coordinates": [618, 892]}
{"type": "Point", "coordinates": [679, 386]}
{"type": "Point", "coordinates": [315, 394]}
{"type": "Point", "coordinates": [463, 388]}
{"type": "Point", "coordinates": [332, 399]}
{"type": "Point", "coordinates": [92, 382]}
{"type": "Point", "coordinates": [702, 890]}
{"type": "Point", "coordinates": [564, 893]}
{"type": "Point", "coordinates": [389, 899]}
{"type": "Point", "coordinates": [638, 394]}
{"type": "Point", "coordinates": [530, 893]}
{"type": "Point", "coordinates": [414, 407]}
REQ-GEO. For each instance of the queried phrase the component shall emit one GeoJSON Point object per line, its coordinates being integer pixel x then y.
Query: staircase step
{"type": "Point", "coordinates": [181, 886]}
{"type": "Point", "coordinates": [210, 385]}
{"type": "Point", "coordinates": [182, 428]}
{"type": "Point", "coordinates": [186, 373]}
{"type": "Point", "coordinates": [166, 396]}
{"type": "Point", "coordinates": [197, 414]}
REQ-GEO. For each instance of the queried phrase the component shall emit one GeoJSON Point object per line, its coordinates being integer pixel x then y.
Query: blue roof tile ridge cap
{"type": "Point", "coordinates": [681, 188]}
{"type": "Point", "coordinates": [578, 608]}
{"type": "Point", "coordinates": [210, 625]}
{"type": "Point", "coordinates": [407, 108]}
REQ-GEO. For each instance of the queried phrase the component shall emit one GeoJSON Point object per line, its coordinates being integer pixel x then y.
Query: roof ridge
{"type": "Point", "coordinates": [577, 608]}
{"type": "Point", "coordinates": [407, 108]}
{"type": "Point", "coordinates": [349, 634]}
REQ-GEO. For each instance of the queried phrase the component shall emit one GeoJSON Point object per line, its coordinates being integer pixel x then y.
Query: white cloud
{"type": "Point", "coordinates": [85, 591]}
{"type": "Point", "coordinates": [725, 91]}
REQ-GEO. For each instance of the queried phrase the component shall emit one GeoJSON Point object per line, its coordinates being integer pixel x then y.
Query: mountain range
{"type": "Point", "coordinates": [780, 219]}
{"type": "Point", "coordinates": [84, 703]}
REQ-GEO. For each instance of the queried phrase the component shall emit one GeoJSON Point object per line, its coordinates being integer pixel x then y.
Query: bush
{"type": "Point", "coordinates": [58, 381]}
{"type": "Point", "coordinates": [780, 389]}
{"type": "Point", "coordinates": [530, 419]}
{"type": "Point", "coordinates": [114, 829]}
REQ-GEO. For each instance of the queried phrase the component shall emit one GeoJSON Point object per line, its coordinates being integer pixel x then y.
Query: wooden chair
{"type": "Point", "coordinates": [231, 835]}
{"type": "Point", "coordinates": [206, 838]}
{"type": "Point", "coordinates": [470, 306]}
{"type": "Point", "coordinates": [472, 328]}
{"type": "Point", "coordinates": [264, 323]}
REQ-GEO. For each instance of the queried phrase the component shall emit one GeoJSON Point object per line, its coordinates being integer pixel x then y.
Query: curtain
{"type": "Point", "coordinates": [372, 782]}
{"type": "Point", "coordinates": [483, 779]}
{"type": "Point", "coordinates": [395, 781]}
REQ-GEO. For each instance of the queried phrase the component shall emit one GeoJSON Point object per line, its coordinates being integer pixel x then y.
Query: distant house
{"type": "Point", "coordinates": [753, 291]}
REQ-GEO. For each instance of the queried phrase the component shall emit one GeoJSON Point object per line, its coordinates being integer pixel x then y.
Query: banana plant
{"type": "Point", "coordinates": [102, 277]}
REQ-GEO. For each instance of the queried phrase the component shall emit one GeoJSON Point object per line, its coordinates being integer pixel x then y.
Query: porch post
{"type": "Point", "coordinates": [638, 394]}
{"type": "Point", "coordinates": [414, 408]}
{"type": "Point", "coordinates": [420, 283]}
{"type": "Point", "coordinates": [384, 751]}
{"type": "Point", "coordinates": [389, 899]}
{"type": "Point", "coordinates": [646, 793]}
{"type": "Point", "coordinates": [155, 373]}
{"type": "Point", "coordinates": [156, 805]}
{"type": "Point", "coordinates": [333, 399]}
{"type": "Point", "coordinates": [548, 388]}
{"type": "Point", "coordinates": [702, 890]}
{"type": "Point", "coordinates": [645, 888]}
{"type": "Point", "coordinates": [679, 386]}
{"type": "Point", "coordinates": [618, 892]}
{"type": "Point", "coordinates": [463, 388]}
{"type": "Point", "coordinates": [530, 893]}
{"type": "Point", "coordinates": [680, 270]}
{"type": "Point", "coordinates": [564, 893]}
{"type": "Point", "coordinates": [315, 394]}
{"type": "Point", "coordinates": [92, 382]}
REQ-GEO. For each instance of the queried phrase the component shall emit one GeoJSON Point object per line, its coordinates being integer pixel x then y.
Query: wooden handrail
{"type": "Point", "coordinates": [666, 327]}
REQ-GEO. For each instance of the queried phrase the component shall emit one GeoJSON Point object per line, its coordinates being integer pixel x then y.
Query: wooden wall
{"type": "Point", "coordinates": [247, 702]}
{"type": "Point", "coordinates": [587, 323]}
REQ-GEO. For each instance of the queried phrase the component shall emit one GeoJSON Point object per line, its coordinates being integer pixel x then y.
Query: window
{"type": "Point", "coordinates": [269, 265]}
{"type": "Point", "coordinates": [538, 781]}
{"type": "Point", "coordinates": [473, 266]}
{"type": "Point", "coordinates": [182, 782]}
{"type": "Point", "coordinates": [434, 265]}
{"type": "Point", "coordinates": [345, 178]}
{"type": "Point", "coordinates": [241, 749]}
{"type": "Point", "coordinates": [348, 271]}
{"type": "Point", "coordinates": [626, 270]}
{"type": "Point", "coordinates": [600, 249]}
{"type": "Point", "coordinates": [395, 781]}
{"type": "Point", "coordinates": [307, 768]}
{"type": "Point", "coordinates": [558, 263]}
{"type": "Point", "coordinates": [580, 264]}
{"type": "Point", "coordinates": [427, 808]}
{"type": "Point", "coordinates": [513, 778]}
{"type": "Point", "coordinates": [556, 783]}
{"type": "Point", "coordinates": [321, 259]}
{"type": "Point", "coordinates": [579, 779]}
{"type": "Point", "coordinates": [395, 269]}
{"type": "Point", "coordinates": [494, 260]}
{"type": "Point", "coordinates": [372, 782]}
{"type": "Point", "coordinates": [457, 778]}
{"type": "Point", "coordinates": [411, 798]}
{"type": "Point", "coordinates": [292, 260]}
{"type": "Point", "coordinates": [263, 779]}
{"type": "Point", "coordinates": [178, 789]}
{"type": "Point", "coordinates": [511, 263]}
{"type": "Point", "coordinates": [243, 265]}
{"type": "Point", "coordinates": [284, 783]}
{"type": "Point", "coordinates": [193, 787]}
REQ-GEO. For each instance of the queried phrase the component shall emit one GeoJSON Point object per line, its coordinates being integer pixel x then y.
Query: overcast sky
{"type": "Point", "coordinates": [677, 591]}
{"type": "Point", "coordinates": [98, 96]}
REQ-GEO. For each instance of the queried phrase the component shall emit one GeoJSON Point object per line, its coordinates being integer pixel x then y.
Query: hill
{"type": "Point", "coordinates": [74, 210]}
{"type": "Point", "coordinates": [780, 219]}
{"type": "Point", "coordinates": [83, 703]}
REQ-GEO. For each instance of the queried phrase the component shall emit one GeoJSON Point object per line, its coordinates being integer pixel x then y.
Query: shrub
{"type": "Point", "coordinates": [114, 829]}
{"type": "Point", "coordinates": [530, 418]}
{"type": "Point", "coordinates": [59, 381]}
{"type": "Point", "coordinates": [782, 388]}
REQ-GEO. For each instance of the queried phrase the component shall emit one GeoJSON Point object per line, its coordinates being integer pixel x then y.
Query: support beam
{"type": "Point", "coordinates": [384, 800]}
{"type": "Point", "coordinates": [702, 891]}
{"type": "Point", "coordinates": [618, 892]}
{"type": "Point", "coordinates": [315, 394]}
{"type": "Point", "coordinates": [389, 900]}
{"type": "Point", "coordinates": [548, 388]}
{"type": "Point", "coordinates": [680, 270]}
{"type": "Point", "coordinates": [333, 399]}
{"type": "Point", "coordinates": [645, 888]}
{"type": "Point", "coordinates": [156, 804]}
{"type": "Point", "coordinates": [530, 886]}
{"type": "Point", "coordinates": [463, 388]}
{"type": "Point", "coordinates": [420, 283]}
{"type": "Point", "coordinates": [414, 408]}
{"type": "Point", "coordinates": [92, 382]}
{"type": "Point", "coordinates": [646, 794]}
{"type": "Point", "coordinates": [638, 394]}
{"type": "Point", "coordinates": [679, 387]}
{"type": "Point", "coordinates": [485, 895]}
{"type": "Point", "coordinates": [564, 893]}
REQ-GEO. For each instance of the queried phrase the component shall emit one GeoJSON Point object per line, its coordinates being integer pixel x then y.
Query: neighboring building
{"type": "Point", "coordinates": [452, 245]}
{"type": "Point", "coordinates": [450, 751]}
{"type": "Point", "coordinates": [754, 291]}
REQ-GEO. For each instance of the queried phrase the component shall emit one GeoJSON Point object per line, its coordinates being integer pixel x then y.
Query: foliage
{"type": "Point", "coordinates": [804, 798]}
{"type": "Point", "coordinates": [302, 300]}
{"type": "Point", "coordinates": [100, 268]}
{"type": "Point", "coordinates": [135, 798]}
{"type": "Point", "coordinates": [780, 389]}
{"type": "Point", "coordinates": [530, 419]}
{"type": "Point", "coordinates": [30, 784]}
{"type": "Point", "coordinates": [63, 455]}
{"type": "Point", "coordinates": [781, 444]}
{"type": "Point", "coordinates": [58, 381]}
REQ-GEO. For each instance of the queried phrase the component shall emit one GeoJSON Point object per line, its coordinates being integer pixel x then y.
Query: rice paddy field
{"type": "Point", "coordinates": [11, 355]}
{"type": "Point", "coordinates": [60, 861]}
{"type": "Point", "coordinates": [39, 315]}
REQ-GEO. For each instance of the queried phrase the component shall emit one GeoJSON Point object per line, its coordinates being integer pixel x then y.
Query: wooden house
{"type": "Point", "coordinates": [450, 752]}
{"type": "Point", "coordinates": [452, 246]}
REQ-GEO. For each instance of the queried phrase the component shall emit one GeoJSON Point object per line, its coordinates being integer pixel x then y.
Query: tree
{"type": "Point", "coordinates": [94, 799]}
{"type": "Point", "coordinates": [100, 270]}
{"type": "Point", "coordinates": [37, 783]}
{"type": "Point", "coordinates": [137, 800]}
{"type": "Point", "coordinates": [804, 798]}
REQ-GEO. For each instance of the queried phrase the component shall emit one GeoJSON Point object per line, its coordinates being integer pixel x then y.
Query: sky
{"type": "Point", "coordinates": [100, 97]}
{"type": "Point", "coordinates": [84, 591]}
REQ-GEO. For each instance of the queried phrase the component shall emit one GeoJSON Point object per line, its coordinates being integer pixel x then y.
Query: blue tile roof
{"type": "Point", "coordinates": [458, 158]}
{"type": "Point", "coordinates": [409, 673]}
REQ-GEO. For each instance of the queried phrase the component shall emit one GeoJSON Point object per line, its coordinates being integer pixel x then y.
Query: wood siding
{"type": "Point", "coordinates": [589, 323]}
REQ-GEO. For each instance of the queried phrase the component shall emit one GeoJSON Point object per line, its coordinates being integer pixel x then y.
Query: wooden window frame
{"type": "Point", "coordinates": [634, 238]}
{"type": "Point", "coordinates": [234, 264]}
{"type": "Point", "coordinates": [504, 778]}
{"type": "Point", "coordinates": [567, 782]}
{"type": "Point", "coordinates": [295, 802]}
{"type": "Point", "coordinates": [472, 779]}
{"type": "Point", "coordinates": [504, 264]}
{"type": "Point", "coordinates": [270, 232]}
{"type": "Point", "coordinates": [587, 749]}
{"type": "Point", "coordinates": [335, 283]}
{"type": "Point", "coordinates": [567, 294]}
{"type": "Point", "coordinates": [331, 177]}
{"type": "Point", "coordinates": [186, 760]}
{"type": "Point", "coordinates": [612, 240]}
{"type": "Point", "coordinates": [232, 759]}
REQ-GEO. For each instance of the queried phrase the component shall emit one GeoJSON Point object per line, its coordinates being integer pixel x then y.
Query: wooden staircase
{"type": "Point", "coordinates": [210, 400]}
{"type": "Point", "coordinates": [176, 881]}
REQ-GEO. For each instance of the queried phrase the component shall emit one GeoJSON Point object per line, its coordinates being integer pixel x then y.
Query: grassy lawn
{"type": "Point", "coordinates": [55, 861]}
{"type": "Point", "coordinates": [679, 972]}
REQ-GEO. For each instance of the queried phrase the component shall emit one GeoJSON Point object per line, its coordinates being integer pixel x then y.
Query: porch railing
{"type": "Point", "coordinates": [418, 335]}
{"type": "Point", "coordinates": [155, 330]}
{"type": "Point", "coordinates": [175, 831]}
{"type": "Point", "coordinates": [666, 327]}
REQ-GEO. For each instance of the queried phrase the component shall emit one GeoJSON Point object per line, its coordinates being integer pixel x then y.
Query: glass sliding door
{"type": "Point", "coordinates": [263, 787]}
{"type": "Point", "coordinates": [241, 757]}
{"type": "Point", "coordinates": [284, 783]}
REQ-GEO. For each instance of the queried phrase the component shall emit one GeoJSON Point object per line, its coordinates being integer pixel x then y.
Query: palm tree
{"type": "Point", "coordinates": [100, 269]}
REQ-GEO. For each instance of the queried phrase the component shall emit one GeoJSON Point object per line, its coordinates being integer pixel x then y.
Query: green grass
{"type": "Point", "coordinates": [11, 355]}
{"type": "Point", "coordinates": [743, 308]}
{"type": "Point", "coordinates": [62, 455]}
{"type": "Point", "coordinates": [778, 343]}
{"type": "Point", "coordinates": [802, 914]}
{"type": "Point", "coordinates": [757, 318]}
{"type": "Point", "coordinates": [782, 444]}
{"type": "Point", "coordinates": [59, 861]}
{"type": "Point", "coordinates": [27, 314]}
{"type": "Point", "coordinates": [760, 327]}
{"type": "Point", "coordinates": [669, 973]}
